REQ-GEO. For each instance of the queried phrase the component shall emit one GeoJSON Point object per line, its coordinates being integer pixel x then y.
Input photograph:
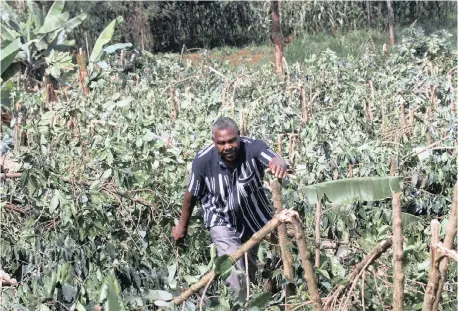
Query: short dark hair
{"type": "Point", "coordinates": [224, 123]}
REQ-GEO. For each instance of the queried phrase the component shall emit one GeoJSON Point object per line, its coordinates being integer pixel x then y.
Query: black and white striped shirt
{"type": "Point", "coordinates": [233, 198]}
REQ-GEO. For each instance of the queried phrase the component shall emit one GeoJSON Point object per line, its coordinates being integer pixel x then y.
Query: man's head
{"type": "Point", "coordinates": [225, 135]}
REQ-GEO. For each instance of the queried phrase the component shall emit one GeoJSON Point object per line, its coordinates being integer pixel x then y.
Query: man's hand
{"type": "Point", "coordinates": [277, 167]}
{"type": "Point", "coordinates": [179, 233]}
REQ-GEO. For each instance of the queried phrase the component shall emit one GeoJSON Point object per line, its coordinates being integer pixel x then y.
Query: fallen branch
{"type": "Point", "coordinates": [9, 175]}
{"type": "Point", "coordinates": [375, 253]}
{"type": "Point", "coordinates": [284, 216]}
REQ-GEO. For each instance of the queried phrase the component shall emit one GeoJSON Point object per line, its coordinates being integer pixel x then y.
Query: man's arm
{"type": "Point", "coordinates": [270, 159]}
{"type": "Point", "coordinates": [196, 188]}
{"type": "Point", "coordinates": [180, 231]}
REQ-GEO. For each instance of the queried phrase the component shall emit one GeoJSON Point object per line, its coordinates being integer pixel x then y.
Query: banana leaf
{"type": "Point", "coordinates": [36, 13]}
{"type": "Point", "coordinates": [8, 34]}
{"type": "Point", "coordinates": [104, 38]}
{"type": "Point", "coordinates": [348, 190]}
{"type": "Point", "coordinates": [9, 53]}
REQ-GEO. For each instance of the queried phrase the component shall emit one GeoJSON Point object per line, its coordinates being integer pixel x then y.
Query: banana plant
{"type": "Point", "coordinates": [37, 37]}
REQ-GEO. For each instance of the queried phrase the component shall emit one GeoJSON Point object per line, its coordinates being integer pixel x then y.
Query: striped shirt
{"type": "Point", "coordinates": [234, 198]}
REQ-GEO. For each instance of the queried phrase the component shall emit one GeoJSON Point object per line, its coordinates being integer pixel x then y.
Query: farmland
{"type": "Point", "coordinates": [95, 178]}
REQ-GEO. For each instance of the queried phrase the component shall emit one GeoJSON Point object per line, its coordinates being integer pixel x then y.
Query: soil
{"type": "Point", "coordinates": [240, 57]}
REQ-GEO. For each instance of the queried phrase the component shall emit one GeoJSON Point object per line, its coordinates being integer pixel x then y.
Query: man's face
{"type": "Point", "coordinates": [227, 143]}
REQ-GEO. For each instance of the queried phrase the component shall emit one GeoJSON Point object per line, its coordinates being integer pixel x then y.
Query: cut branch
{"type": "Point", "coordinates": [398, 253]}
{"type": "Point", "coordinates": [10, 175]}
{"type": "Point", "coordinates": [433, 278]}
{"type": "Point", "coordinates": [363, 264]}
{"type": "Point", "coordinates": [309, 273]}
{"type": "Point", "coordinates": [317, 234]}
{"type": "Point", "coordinates": [284, 216]}
{"type": "Point", "coordinates": [286, 256]}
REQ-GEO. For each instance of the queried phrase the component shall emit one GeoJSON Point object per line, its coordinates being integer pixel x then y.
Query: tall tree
{"type": "Point", "coordinates": [278, 38]}
{"type": "Point", "coordinates": [390, 21]}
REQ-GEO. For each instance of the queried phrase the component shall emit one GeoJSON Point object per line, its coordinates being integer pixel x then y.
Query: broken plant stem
{"type": "Point", "coordinates": [309, 273]}
{"type": "Point", "coordinates": [398, 254]}
{"type": "Point", "coordinates": [286, 256]}
{"type": "Point", "coordinates": [201, 304]}
{"type": "Point", "coordinates": [318, 213]}
{"type": "Point", "coordinates": [284, 216]}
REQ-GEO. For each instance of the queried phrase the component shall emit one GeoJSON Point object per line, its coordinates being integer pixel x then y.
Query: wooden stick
{"type": "Point", "coordinates": [370, 116]}
{"type": "Point", "coordinates": [284, 216]}
{"type": "Point", "coordinates": [450, 233]}
{"type": "Point", "coordinates": [10, 175]}
{"type": "Point", "coordinates": [452, 93]}
{"type": "Point", "coordinates": [318, 214]}
{"type": "Point", "coordinates": [279, 143]}
{"type": "Point", "coordinates": [173, 105]}
{"type": "Point", "coordinates": [286, 256]}
{"type": "Point", "coordinates": [398, 253]}
{"type": "Point", "coordinates": [309, 273]}
{"type": "Point", "coordinates": [433, 278]}
{"type": "Point", "coordinates": [303, 99]}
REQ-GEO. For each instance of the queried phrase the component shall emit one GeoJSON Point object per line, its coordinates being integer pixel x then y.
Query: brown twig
{"type": "Point", "coordinates": [201, 304]}
{"type": "Point", "coordinates": [317, 233]}
{"type": "Point", "coordinates": [10, 175]}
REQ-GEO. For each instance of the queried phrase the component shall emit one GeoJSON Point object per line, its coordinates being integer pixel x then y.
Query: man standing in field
{"type": "Point", "coordinates": [227, 178]}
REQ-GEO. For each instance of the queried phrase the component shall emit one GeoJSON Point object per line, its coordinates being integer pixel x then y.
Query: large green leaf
{"type": "Point", "coordinates": [53, 23]}
{"type": "Point", "coordinates": [9, 53]}
{"type": "Point", "coordinates": [104, 38]}
{"type": "Point", "coordinates": [8, 34]}
{"type": "Point", "coordinates": [75, 21]}
{"type": "Point", "coordinates": [348, 190]}
{"type": "Point", "coordinates": [36, 13]}
{"type": "Point", "coordinates": [157, 294]}
{"type": "Point", "coordinates": [223, 265]}
{"type": "Point", "coordinates": [259, 300]}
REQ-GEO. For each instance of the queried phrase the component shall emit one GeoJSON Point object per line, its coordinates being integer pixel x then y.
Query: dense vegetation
{"type": "Point", "coordinates": [87, 221]}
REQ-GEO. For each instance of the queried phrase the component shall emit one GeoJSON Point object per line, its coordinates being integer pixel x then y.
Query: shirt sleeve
{"type": "Point", "coordinates": [196, 184]}
{"type": "Point", "coordinates": [263, 153]}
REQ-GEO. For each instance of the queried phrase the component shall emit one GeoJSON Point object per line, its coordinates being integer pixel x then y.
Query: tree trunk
{"type": "Point", "coordinates": [309, 273]}
{"type": "Point", "coordinates": [390, 22]}
{"type": "Point", "coordinates": [450, 233]}
{"type": "Point", "coordinates": [286, 256]}
{"type": "Point", "coordinates": [433, 278]}
{"type": "Point", "coordinates": [368, 5]}
{"type": "Point", "coordinates": [278, 39]}
{"type": "Point", "coordinates": [398, 292]}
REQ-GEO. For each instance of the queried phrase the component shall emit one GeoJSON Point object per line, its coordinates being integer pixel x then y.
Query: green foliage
{"type": "Point", "coordinates": [38, 38]}
{"type": "Point", "coordinates": [98, 200]}
{"type": "Point", "coordinates": [348, 190]}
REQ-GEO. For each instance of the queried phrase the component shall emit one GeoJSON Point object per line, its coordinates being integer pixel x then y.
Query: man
{"type": "Point", "coordinates": [227, 178]}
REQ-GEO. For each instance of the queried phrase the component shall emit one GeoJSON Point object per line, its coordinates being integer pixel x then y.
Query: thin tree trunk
{"type": "Point", "coordinates": [317, 234]}
{"type": "Point", "coordinates": [433, 278]}
{"type": "Point", "coordinates": [398, 292]}
{"type": "Point", "coordinates": [368, 5]}
{"type": "Point", "coordinates": [390, 22]}
{"type": "Point", "coordinates": [286, 256]}
{"type": "Point", "coordinates": [309, 273]}
{"type": "Point", "coordinates": [278, 39]}
{"type": "Point", "coordinates": [450, 233]}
